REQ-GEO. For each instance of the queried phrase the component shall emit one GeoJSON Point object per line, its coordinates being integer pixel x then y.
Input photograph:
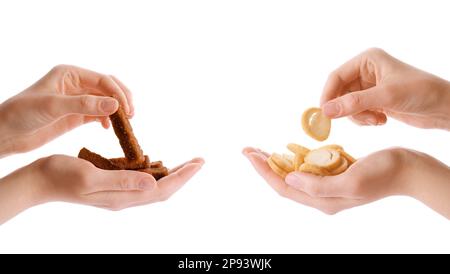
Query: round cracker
{"type": "Point", "coordinates": [282, 162]}
{"type": "Point", "coordinates": [275, 168]}
{"type": "Point", "coordinates": [316, 124]}
{"type": "Point", "coordinates": [341, 168]}
{"type": "Point", "coordinates": [324, 158]}
{"type": "Point", "coordinates": [347, 156]}
{"type": "Point", "coordinates": [299, 159]}
{"type": "Point", "coordinates": [305, 167]}
{"type": "Point", "coordinates": [298, 149]}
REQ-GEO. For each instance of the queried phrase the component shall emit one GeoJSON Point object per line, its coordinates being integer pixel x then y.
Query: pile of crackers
{"type": "Point", "coordinates": [134, 157]}
{"type": "Point", "coordinates": [324, 161]}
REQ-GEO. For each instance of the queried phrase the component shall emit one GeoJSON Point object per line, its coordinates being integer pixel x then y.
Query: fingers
{"type": "Point", "coordinates": [369, 117]}
{"type": "Point", "coordinates": [260, 165]}
{"type": "Point", "coordinates": [103, 84]}
{"type": "Point", "coordinates": [118, 200]}
{"type": "Point", "coordinates": [248, 150]}
{"type": "Point", "coordinates": [106, 123]}
{"type": "Point", "coordinates": [119, 189]}
{"type": "Point", "coordinates": [317, 186]}
{"type": "Point", "coordinates": [328, 205]}
{"type": "Point", "coordinates": [340, 78]}
{"type": "Point", "coordinates": [127, 93]}
{"type": "Point", "coordinates": [174, 181]}
{"type": "Point", "coordinates": [58, 106]}
{"type": "Point", "coordinates": [121, 180]}
{"type": "Point", "coordinates": [355, 102]}
{"type": "Point", "coordinates": [193, 161]}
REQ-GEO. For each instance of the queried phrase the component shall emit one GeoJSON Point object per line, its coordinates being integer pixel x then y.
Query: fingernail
{"type": "Point", "coordinates": [146, 184]}
{"type": "Point", "coordinates": [331, 109]}
{"type": "Point", "coordinates": [109, 105]}
{"type": "Point", "coordinates": [199, 161]}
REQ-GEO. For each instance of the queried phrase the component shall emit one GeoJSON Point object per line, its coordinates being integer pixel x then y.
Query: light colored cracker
{"type": "Point", "coordinates": [281, 162]}
{"type": "Point", "coordinates": [316, 124]}
{"type": "Point", "coordinates": [305, 167]}
{"type": "Point", "coordinates": [289, 157]}
{"type": "Point", "coordinates": [341, 168]}
{"type": "Point", "coordinates": [347, 156]}
{"type": "Point", "coordinates": [333, 146]}
{"type": "Point", "coordinates": [298, 149]}
{"type": "Point", "coordinates": [298, 160]}
{"type": "Point", "coordinates": [324, 158]}
{"type": "Point", "coordinates": [279, 171]}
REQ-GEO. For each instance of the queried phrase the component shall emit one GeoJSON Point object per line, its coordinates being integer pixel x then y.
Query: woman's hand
{"type": "Point", "coordinates": [65, 98]}
{"type": "Point", "coordinates": [69, 179]}
{"type": "Point", "coordinates": [388, 172]}
{"type": "Point", "coordinates": [375, 84]}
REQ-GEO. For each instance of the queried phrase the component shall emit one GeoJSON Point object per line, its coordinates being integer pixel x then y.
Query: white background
{"type": "Point", "coordinates": [209, 78]}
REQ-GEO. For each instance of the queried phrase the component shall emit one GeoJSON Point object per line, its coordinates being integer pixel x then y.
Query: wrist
{"type": "Point", "coordinates": [443, 110]}
{"type": "Point", "coordinates": [431, 185]}
{"type": "Point", "coordinates": [39, 187]}
{"type": "Point", "coordinates": [404, 163]}
{"type": "Point", "coordinates": [18, 192]}
{"type": "Point", "coordinates": [6, 142]}
{"type": "Point", "coordinates": [423, 171]}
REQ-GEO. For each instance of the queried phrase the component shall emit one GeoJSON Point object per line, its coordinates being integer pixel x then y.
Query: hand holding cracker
{"type": "Point", "coordinates": [374, 85]}
{"type": "Point", "coordinates": [62, 100]}
{"type": "Point", "coordinates": [65, 98]}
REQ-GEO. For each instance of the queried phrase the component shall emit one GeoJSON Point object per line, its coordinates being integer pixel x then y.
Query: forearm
{"type": "Point", "coordinates": [18, 191]}
{"type": "Point", "coordinates": [430, 184]}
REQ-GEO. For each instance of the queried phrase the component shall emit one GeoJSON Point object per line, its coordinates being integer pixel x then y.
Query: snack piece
{"type": "Point", "coordinates": [341, 168]}
{"type": "Point", "coordinates": [299, 154]}
{"type": "Point", "coordinates": [299, 159]}
{"type": "Point", "coordinates": [134, 157]}
{"type": "Point", "coordinates": [325, 161]}
{"type": "Point", "coordinates": [278, 170]}
{"type": "Point", "coordinates": [298, 149]}
{"type": "Point", "coordinates": [125, 163]}
{"type": "Point", "coordinates": [156, 164]}
{"type": "Point", "coordinates": [112, 164]}
{"type": "Point", "coordinates": [316, 124]}
{"type": "Point", "coordinates": [283, 162]}
{"type": "Point", "coordinates": [324, 158]}
{"type": "Point", "coordinates": [305, 167]}
{"type": "Point", "coordinates": [335, 147]}
{"type": "Point", "coordinates": [288, 157]}
{"type": "Point", "coordinates": [157, 172]}
{"type": "Point", "coordinates": [156, 169]}
{"type": "Point", "coordinates": [124, 133]}
{"type": "Point", "coordinates": [348, 157]}
{"type": "Point", "coordinates": [96, 159]}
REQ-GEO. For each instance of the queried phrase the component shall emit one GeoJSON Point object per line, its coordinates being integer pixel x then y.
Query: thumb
{"type": "Point", "coordinates": [354, 102]}
{"type": "Point", "coordinates": [82, 104]}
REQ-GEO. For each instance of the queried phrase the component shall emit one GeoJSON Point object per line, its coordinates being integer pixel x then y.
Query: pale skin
{"type": "Point", "coordinates": [368, 89]}
{"type": "Point", "coordinates": [65, 98]}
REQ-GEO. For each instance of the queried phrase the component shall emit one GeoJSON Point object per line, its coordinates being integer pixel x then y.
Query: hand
{"type": "Point", "coordinates": [69, 179]}
{"type": "Point", "coordinates": [65, 98]}
{"type": "Point", "coordinates": [388, 172]}
{"type": "Point", "coordinates": [375, 84]}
